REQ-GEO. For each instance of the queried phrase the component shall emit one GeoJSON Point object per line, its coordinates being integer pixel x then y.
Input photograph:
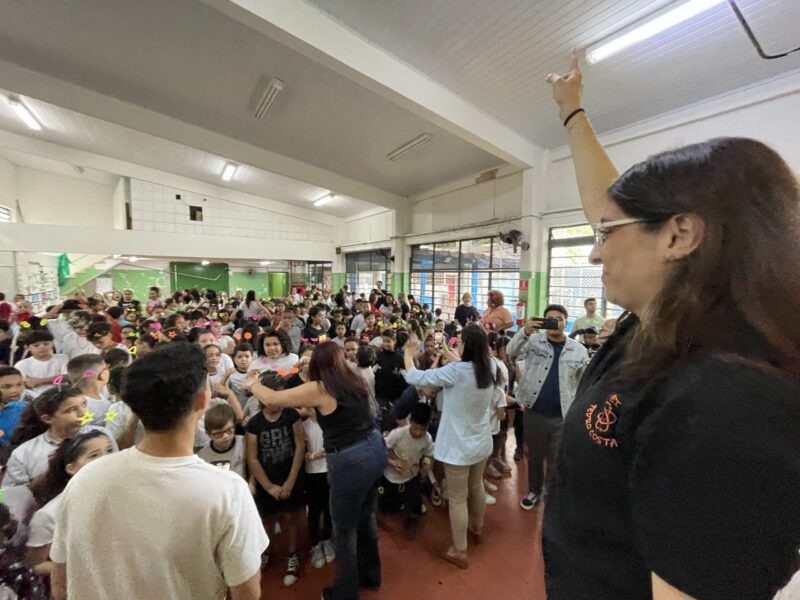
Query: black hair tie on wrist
{"type": "Point", "coordinates": [572, 114]}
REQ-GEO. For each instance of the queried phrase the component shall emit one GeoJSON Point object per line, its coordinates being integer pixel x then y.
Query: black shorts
{"type": "Point", "coordinates": [267, 505]}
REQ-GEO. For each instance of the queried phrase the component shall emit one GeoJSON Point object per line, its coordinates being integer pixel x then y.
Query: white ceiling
{"type": "Point", "coordinates": [186, 60]}
{"type": "Point", "coordinates": [496, 54]}
{"type": "Point", "coordinates": [87, 134]}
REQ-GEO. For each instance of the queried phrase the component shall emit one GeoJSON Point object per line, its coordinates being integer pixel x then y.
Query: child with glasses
{"type": "Point", "coordinates": [224, 449]}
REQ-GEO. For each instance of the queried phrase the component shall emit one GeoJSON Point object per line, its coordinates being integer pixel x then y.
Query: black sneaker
{"type": "Point", "coordinates": [529, 501]}
{"type": "Point", "coordinates": [292, 571]}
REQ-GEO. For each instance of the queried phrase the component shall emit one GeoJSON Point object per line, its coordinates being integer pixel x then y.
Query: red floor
{"type": "Point", "coordinates": [507, 565]}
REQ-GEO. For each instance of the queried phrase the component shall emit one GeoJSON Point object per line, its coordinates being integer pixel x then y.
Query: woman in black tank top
{"type": "Point", "coordinates": [356, 456]}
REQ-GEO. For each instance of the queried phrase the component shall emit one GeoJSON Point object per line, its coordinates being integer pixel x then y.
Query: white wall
{"type": "Point", "coordinates": [118, 203]}
{"type": "Point", "coordinates": [55, 199]}
{"type": "Point", "coordinates": [373, 228]}
{"type": "Point", "coordinates": [8, 184]}
{"type": "Point", "coordinates": [165, 209]}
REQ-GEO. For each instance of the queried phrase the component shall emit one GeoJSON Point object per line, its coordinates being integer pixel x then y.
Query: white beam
{"type": "Point", "coordinates": [309, 31]}
{"type": "Point", "coordinates": [73, 97]}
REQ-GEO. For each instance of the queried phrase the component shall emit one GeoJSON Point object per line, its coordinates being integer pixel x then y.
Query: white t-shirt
{"type": "Point", "coordinates": [43, 523]}
{"type": "Point", "coordinates": [225, 363]}
{"type": "Point", "coordinates": [230, 460]}
{"type": "Point", "coordinates": [285, 362]}
{"type": "Point", "coordinates": [31, 458]}
{"type": "Point", "coordinates": [408, 449]}
{"type": "Point", "coordinates": [59, 328]}
{"type": "Point", "coordinates": [22, 506]}
{"type": "Point", "coordinates": [173, 528]}
{"type": "Point", "coordinates": [498, 401]}
{"type": "Point", "coordinates": [224, 342]}
{"type": "Point", "coordinates": [217, 377]}
{"type": "Point", "coordinates": [74, 345]}
{"type": "Point", "coordinates": [98, 407]}
{"type": "Point", "coordinates": [120, 419]}
{"type": "Point", "coordinates": [32, 367]}
{"type": "Point", "coordinates": [314, 444]}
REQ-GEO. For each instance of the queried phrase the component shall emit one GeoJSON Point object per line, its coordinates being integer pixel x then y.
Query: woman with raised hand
{"type": "Point", "coordinates": [679, 467]}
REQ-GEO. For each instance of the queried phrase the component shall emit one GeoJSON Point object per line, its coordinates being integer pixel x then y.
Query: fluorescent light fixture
{"type": "Point", "coordinates": [205, 262]}
{"type": "Point", "coordinates": [229, 171]}
{"type": "Point", "coordinates": [24, 113]}
{"type": "Point", "coordinates": [117, 256]}
{"type": "Point", "coordinates": [661, 20]}
{"type": "Point", "coordinates": [273, 88]}
{"type": "Point", "coordinates": [264, 263]}
{"type": "Point", "coordinates": [324, 200]}
{"type": "Point", "coordinates": [414, 144]}
{"type": "Point", "coordinates": [133, 258]}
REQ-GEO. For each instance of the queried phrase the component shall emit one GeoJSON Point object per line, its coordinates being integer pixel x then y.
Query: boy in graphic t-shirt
{"type": "Point", "coordinates": [224, 449]}
{"type": "Point", "coordinates": [276, 449]}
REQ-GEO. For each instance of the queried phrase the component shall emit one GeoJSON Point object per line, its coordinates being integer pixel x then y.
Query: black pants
{"type": "Point", "coordinates": [319, 505]}
{"type": "Point", "coordinates": [394, 496]}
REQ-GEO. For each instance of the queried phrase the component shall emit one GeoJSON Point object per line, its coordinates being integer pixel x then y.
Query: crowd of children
{"type": "Point", "coordinates": [60, 403]}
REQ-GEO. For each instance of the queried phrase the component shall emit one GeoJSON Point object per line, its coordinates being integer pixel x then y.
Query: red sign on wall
{"type": "Point", "coordinates": [523, 285]}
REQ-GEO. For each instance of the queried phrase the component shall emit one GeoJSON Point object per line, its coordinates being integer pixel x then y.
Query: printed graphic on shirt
{"type": "Point", "coordinates": [225, 465]}
{"type": "Point", "coordinates": [601, 424]}
{"type": "Point", "coordinates": [277, 444]}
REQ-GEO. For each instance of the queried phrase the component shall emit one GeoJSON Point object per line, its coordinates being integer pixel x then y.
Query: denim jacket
{"type": "Point", "coordinates": [538, 355]}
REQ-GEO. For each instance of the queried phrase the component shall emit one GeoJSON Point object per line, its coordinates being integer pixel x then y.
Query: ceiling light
{"type": "Point", "coordinates": [264, 263]}
{"type": "Point", "coordinates": [24, 113]}
{"type": "Point", "coordinates": [205, 262]}
{"type": "Point", "coordinates": [229, 171]}
{"type": "Point", "coordinates": [324, 200]}
{"type": "Point", "coordinates": [655, 23]}
{"type": "Point", "coordinates": [133, 258]}
{"type": "Point", "coordinates": [414, 144]}
{"type": "Point", "coordinates": [117, 256]}
{"type": "Point", "coordinates": [274, 87]}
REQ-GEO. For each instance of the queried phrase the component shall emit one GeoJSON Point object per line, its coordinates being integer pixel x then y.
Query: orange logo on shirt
{"type": "Point", "coordinates": [599, 423]}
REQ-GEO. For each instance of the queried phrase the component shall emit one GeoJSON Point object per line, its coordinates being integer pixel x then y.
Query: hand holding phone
{"type": "Point", "coordinates": [438, 339]}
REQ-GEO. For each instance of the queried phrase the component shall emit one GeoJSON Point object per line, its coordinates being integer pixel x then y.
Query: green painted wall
{"type": "Point", "coordinates": [195, 275]}
{"type": "Point", "coordinates": [140, 281]}
{"type": "Point", "coordinates": [77, 280]}
{"type": "Point", "coordinates": [258, 281]}
{"type": "Point", "coordinates": [536, 300]}
{"type": "Point", "coordinates": [401, 284]}
{"type": "Point", "coordinates": [278, 284]}
{"type": "Point", "coordinates": [338, 280]}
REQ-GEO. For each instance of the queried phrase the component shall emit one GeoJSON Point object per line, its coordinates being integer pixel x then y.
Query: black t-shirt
{"type": "Point", "coordinates": [693, 477]}
{"type": "Point", "coordinates": [312, 335]}
{"type": "Point", "coordinates": [351, 422]}
{"type": "Point", "coordinates": [466, 314]}
{"type": "Point", "coordinates": [389, 379]}
{"type": "Point", "coordinates": [275, 443]}
{"type": "Point", "coordinates": [133, 305]}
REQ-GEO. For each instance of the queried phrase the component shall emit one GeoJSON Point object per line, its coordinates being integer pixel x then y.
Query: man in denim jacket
{"type": "Point", "coordinates": [554, 364]}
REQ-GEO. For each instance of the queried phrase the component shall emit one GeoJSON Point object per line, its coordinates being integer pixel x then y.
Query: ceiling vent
{"type": "Point", "coordinates": [271, 91]}
{"type": "Point", "coordinates": [411, 146]}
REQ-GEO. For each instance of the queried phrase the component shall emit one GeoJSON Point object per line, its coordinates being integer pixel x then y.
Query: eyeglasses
{"type": "Point", "coordinates": [219, 435]}
{"type": "Point", "coordinates": [602, 230]}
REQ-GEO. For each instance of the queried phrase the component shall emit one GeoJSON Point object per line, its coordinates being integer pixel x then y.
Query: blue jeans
{"type": "Point", "coordinates": [353, 474]}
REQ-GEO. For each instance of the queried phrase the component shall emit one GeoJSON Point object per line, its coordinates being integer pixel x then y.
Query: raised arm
{"type": "Point", "coordinates": [593, 168]}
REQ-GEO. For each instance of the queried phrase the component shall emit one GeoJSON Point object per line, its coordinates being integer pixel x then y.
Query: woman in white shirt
{"type": "Point", "coordinates": [464, 438]}
{"type": "Point", "coordinates": [68, 459]}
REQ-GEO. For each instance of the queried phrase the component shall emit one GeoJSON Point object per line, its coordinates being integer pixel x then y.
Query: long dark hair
{"type": "Point", "coordinates": [30, 422]}
{"type": "Point", "coordinates": [476, 351]}
{"type": "Point", "coordinates": [55, 480]}
{"type": "Point", "coordinates": [329, 367]}
{"type": "Point", "coordinates": [251, 297]}
{"type": "Point", "coordinates": [739, 278]}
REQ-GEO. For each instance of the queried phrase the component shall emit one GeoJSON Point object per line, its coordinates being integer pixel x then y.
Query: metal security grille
{"type": "Point", "coordinates": [442, 272]}
{"type": "Point", "coordinates": [571, 279]}
{"type": "Point", "coordinates": [363, 269]}
{"type": "Point", "coordinates": [5, 214]}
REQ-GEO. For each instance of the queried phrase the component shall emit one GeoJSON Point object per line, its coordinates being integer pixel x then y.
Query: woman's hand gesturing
{"type": "Point", "coordinates": [568, 89]}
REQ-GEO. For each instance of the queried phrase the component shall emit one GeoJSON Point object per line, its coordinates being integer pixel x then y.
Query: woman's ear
{"type": "Point", "coordinates": [47, 419]}
{"type": "Point", "coordinates": [684, 233]}
{"type": "Point", "coordinates": [71, 469]}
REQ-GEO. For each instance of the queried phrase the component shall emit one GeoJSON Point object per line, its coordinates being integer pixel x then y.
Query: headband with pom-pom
{"type": "Point", "coordinates": [25, 325]}
{"type": "Point", "coordinates": [156, 335]}
{"type": "Point", "coordinates": [43, 322]}
{"type": "Point", "coordinates": [453, 341]}
{"type": "Point", "coordinates": [132, 350]}
{"type": "Point", "coordinates": [172, 334]}
{"type": "Point", "coordinates": [155, 325]}
{"type": "Point", "coordinates": [248, 335]}
{"type": "Point", "coordinates": [89, 373]}
{"type": "Point", "coordinates": [57, 381]}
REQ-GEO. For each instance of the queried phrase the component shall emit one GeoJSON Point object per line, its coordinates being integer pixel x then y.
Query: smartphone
{"type": "Point", "coordinates": [438, 339]}
{"type": "Point", "coordinates": [547, 322]}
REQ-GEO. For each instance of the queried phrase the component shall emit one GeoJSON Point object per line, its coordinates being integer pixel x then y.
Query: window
{"type": "Point", "coordinates": [571, 278]}
{"type": "Point", "coordinates": [195, 213]}
{"type": "Point", "coordinates": [442, 272]}
{"type": "Point", "coordinates": [5, 214]}
{"type": "Point", "coordinates": [320, 274]}
{"type": "Point", "coordinates": [363, 269]}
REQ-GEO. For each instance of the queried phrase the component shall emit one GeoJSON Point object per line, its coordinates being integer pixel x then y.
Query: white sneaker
{"type": "Point", "coordinates": [328, 550]}
{"type": "Point", "coordinates": [292, 571]}
{"type": "Point", "coordinates": [490, 500]}
{"type": "Point", "coordinates": [318, 556]}
{"type": "Point", "coordinates": [489, 486]}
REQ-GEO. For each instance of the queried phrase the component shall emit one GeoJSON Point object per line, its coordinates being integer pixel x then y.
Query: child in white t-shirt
{"type": "Point", "coordinates": [224, 449]}
{"type": "Point", "coordinates": [317, 494]}
{"type": "Point", "coordinates": [410, 457]}
{"type": "Point", "coordinates": [57, 414]}
{"type": "Point", "coordinates": [42, 366]}
{"type": "Point", "coordinates": [90, 374]}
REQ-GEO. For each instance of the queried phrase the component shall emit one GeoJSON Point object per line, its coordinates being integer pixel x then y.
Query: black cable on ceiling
{"type": "Point", "coordinates": [752, 35]}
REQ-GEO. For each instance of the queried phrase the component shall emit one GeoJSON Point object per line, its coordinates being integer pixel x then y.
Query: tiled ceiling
{"type": "Point", "coordinates": [184, 59]}
{"type": "Point", "coordinates": [79, 132]}
{"type": "Point", "coordinates": [496, 54]}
